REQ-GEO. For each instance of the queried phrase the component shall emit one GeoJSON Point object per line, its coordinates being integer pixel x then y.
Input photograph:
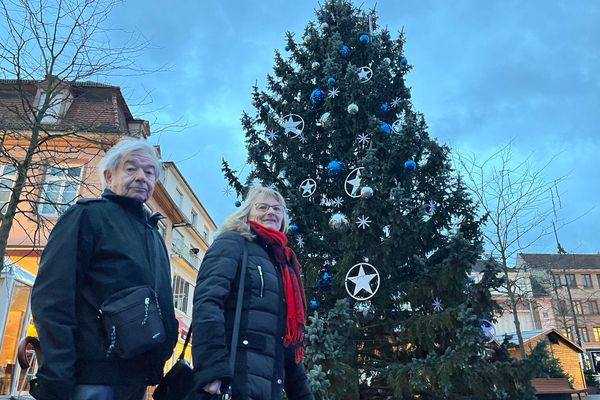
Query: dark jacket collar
{"type": "Point", "coordinates": [134, 206]}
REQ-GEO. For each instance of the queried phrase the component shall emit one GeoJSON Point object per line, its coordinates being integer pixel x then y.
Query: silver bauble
{"type": "Point", "coordinates": [315, 65]}
{"type": "Point", "coordinates": [338, 221]}
{"type": "Point", "coordinates": [325, 119]}
{"type": "Point", "coordinates": [366, 192]}
{"type": "Point", "coordinates": [387, 62]}
{"type": "Point", "coordinates": [352, 109]}
{"type": "Point", "coordinates": [324, 26]}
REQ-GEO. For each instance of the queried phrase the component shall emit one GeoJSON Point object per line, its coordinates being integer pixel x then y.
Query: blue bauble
{"type": "Point", "coordinates": [331, 81]}
{"type": "Point", "coordinates": [336, 168]}
{"type": "Point", "coordinates": [410, 165]}
{"type": "Point", "coordinates": [384, 107]}
{"type": "Point", "coordinates": [387, 128]}
{"type": "Point", "coordinates": [266, 107]}
{"type": "Point", "coordinates": [364, 38]}
{"type": "Point", "coordinates": [294, 228]}
{"type": "Point", "coordinates": [317, 97]}
{"type": "Point", "coordinates": [238, 203]}
{"type": "Point", "coordinates": [403, 61]}
{"type": "Point", "coordinates": [313, 304]}
{"type": "Point", "coordinates": [326, 280]}
{"type": "Point", "coordinates": [287, 48]}
{"type": "Point", "coordinates": [345, 50]}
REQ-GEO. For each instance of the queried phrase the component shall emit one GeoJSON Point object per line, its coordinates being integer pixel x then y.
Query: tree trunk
{"type": "Point", "coordinates": [11, 210]}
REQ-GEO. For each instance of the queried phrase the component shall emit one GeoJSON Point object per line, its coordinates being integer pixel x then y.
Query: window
{"type": "Point", "coordinates": [53, 112]}
{"type": "Point", "coordinates": [587, 280]}
{"type": "Point", "coordinates": [205, 233]}
{"type": "Point", "coordinates": [178, 197]}
{"type": "Point", "coordinates": [8, 174]}
{"type": "Point", "coordinates": [569, 333]}
{"type": "Point", "coordinates": [562, 307]}
{"type": "Point", "coordinates": [557, 280]}
{"type": "Point", "coordinates": [194, 217]}
{"type": "Point", "coordinates": [593, 307]}
{"type": "Point", "coordinates": [583, 334]}
{"type": "Point", "coordinates": [570, 280]}
{"type": "Point", "coordinates": [60, 190]}
{"type": "Point", "coordinates": [578, 307]}
{"type": "Point", "coordinates": [597, 333]}
{"type": "Point", "coordinates": [181, 292]}
{"type": "Point", "coordinates": [598, 279]}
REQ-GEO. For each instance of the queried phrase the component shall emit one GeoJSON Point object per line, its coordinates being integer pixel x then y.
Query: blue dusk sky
{"type": "Point", "coordinates": [484, 72]}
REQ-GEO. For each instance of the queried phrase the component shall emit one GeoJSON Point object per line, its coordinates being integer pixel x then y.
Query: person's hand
{"type": "Point", "coordinates": [214, 387]}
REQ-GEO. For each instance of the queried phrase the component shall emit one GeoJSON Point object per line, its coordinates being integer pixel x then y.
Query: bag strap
{"type": "Point", "coordinates": [238, 309]}
{"type": "Point", "coordinates": [185, 345]}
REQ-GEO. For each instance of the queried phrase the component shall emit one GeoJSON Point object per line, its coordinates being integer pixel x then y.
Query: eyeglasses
{"type": "Point", "coordinates": [264, 207]}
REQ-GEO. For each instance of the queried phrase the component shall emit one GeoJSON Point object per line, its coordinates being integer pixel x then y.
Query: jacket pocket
{"type": "Point", "coordinates": [262, 280]}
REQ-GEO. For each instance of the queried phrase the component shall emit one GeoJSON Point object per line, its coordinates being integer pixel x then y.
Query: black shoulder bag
{"type": "Point", "coordinates": [133, 322]}
{"type": "Point", "coordinates": [179, 381]}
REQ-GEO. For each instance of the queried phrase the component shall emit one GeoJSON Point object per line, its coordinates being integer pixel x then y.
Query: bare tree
{"type": "Point", "coordinates": [47, 47]}
{"type": "Point", "coordinates": [516, 200]}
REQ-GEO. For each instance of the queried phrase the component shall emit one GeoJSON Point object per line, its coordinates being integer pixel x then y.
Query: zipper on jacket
{"type": "Point", "coordinates": [262, 280]}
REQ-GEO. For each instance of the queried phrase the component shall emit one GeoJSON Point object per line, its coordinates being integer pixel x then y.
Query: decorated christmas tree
{"type": "Point", "coordinates": [382, 225]}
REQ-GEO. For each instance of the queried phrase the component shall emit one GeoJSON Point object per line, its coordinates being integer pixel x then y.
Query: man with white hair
{"type": "Point", "coordinates": [102, 302]}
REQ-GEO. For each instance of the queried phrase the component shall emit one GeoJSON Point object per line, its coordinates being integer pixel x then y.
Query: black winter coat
{"type": "Point", "coordinates": [97, 248]}
{"type": "Point", "coordinates": [263, 366]}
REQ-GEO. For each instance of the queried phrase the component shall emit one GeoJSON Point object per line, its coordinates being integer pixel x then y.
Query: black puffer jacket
{"type": "Point", "coordinates": [97, 248]}
{"type": "Point", "coordinates": [263, 366]}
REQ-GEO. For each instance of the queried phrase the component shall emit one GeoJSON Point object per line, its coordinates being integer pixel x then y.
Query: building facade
{"type": "Point", "coordinates": [568, 298]}
{"type": "Point", "coordinates": [188, 237]}
{"type": "Point", "coordinates": [560, 292]}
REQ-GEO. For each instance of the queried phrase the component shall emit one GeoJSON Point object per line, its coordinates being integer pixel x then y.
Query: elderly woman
{"type": "Point", "coordinates": [270, 349]}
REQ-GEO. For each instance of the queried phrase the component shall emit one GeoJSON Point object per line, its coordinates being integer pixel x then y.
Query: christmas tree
{"type": "Point", "coordinates": [383, 227]}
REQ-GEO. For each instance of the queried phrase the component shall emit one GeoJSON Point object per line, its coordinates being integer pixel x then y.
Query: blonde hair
{"type": "Point", "coordinates": [238, 221]}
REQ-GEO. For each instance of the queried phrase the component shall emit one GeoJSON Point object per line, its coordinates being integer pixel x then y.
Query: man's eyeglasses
{"type": "Point", "coordinates": [264, 207]}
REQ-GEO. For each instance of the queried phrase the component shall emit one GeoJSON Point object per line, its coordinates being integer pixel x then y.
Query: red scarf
{"type": "Point", "coordinates": [293, 288]}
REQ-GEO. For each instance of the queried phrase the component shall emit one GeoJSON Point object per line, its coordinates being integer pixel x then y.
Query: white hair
{"type": "Point", "coordinates": [112, 158]}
